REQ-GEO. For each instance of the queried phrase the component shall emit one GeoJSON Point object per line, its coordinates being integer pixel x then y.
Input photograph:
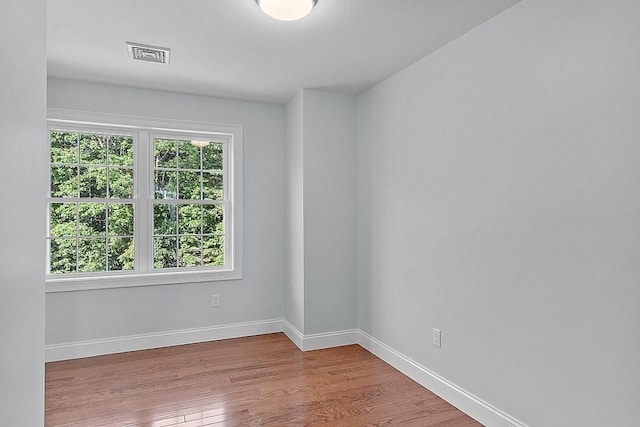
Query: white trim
{"type": "Point", "coordinates": [124, 121]}
{"type": "Point", "coordinates": [75, 350]}
{"type": "Point", "coordinates": [330, 339]}
{"type": "Point", "coordinates": [318, 341]}
{"type": "Point", "coordinates": [78, 349]}
{"type": "Point", "coordinates": [458, 397]}
{"type": "Point", "coordinates": [293, 334]}
{"type": "Point", "coordinates": [127, 280]}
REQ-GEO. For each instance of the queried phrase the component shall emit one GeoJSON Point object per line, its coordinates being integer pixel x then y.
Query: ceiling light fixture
{"type": "Point", "coordinates": [200, 144]}
{"type": "Point", "coordinates": [287, 10]}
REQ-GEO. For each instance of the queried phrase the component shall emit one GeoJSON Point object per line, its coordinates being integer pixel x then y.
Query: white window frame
{"type": "Point", "coordinates": [144, 129]}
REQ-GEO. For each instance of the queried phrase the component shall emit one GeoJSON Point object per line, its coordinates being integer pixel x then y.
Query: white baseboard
{"type": "Point", "coordinates": [318, 341]}
{"type": "Point", "coordinates": [330, 339]}
{"type": "Point", "coordinates": [461, 399]}
{"type": "Point", "coordinates": [293, 334]}
{"type": "Point", "coordinates": [80, 349]}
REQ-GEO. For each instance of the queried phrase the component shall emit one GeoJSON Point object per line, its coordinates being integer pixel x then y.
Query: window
{"type": "Point", "coordinates": [91, 213]}
{"type": "Point", "coordinates": [188, 213]}
{"type": "Point", "coordinates": [137, 201]}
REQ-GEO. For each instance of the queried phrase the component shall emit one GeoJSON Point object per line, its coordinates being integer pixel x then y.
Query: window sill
{"type": "Point", "coordinates": [68, 284]}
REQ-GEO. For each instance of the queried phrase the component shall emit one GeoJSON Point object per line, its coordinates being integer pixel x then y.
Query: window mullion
{"type": "Point", "coordinates": [141, 216]}
{"type": "Point", "coordinates": [149, 203]}
{"type": "Point", "coordinates": [77, 205]}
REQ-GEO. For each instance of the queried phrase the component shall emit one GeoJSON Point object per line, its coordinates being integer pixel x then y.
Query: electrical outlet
{"type": "Point", "coordinates": [215, 300]}
{"type": "Point", "coordinates": [436, 337]}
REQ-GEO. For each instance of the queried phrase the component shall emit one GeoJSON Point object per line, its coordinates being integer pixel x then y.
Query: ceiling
{"type": "Point", "coordinates": [230, 49]}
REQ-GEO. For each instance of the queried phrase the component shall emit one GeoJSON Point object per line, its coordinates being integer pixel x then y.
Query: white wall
{"type": "Point", "coordinates": [93, 315]}
{"type": "Point", "coordinates": [294, 214]}
{"type": "Point", "coordinates": [22, 217]}
{"type": "Point", "coordinates": [320, 294]}
{"type": "Point", "coordinates": [498, 200]}
{"type": "Point", "coordinates": [329, 211]}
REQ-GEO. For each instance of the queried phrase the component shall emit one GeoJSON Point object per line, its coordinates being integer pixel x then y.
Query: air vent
{"type": "Point", "coordinates": [148, 53]}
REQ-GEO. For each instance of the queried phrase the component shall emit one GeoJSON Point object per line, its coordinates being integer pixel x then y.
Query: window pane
{"type": "Point", "coordinates": [165, 185]}
{"type": "Point", "coordinates": [213, 219]}
{"type": "Point", "coordinates": [92, 219]}
{"type": "Point", "coordinates": [214, 250]}
{"type": "Point", "coordinates": [189, 185]}
{"type": "Point", "coordinates": [190, 251]}
{"type": "Point", "coordinates": [62, 256]}
{"type": "Point", "coordinates": [64, 181]}
{"type": "Point", "coordinates": [121, 183]}
{"type": "Point", "coordinates": [212, 186]}
{"type": "Point", "coordinates": [120, 253]}
{"type": "Point", "coordinates": [62, 219]}
{"type": "Point", "coordinates": [188, 155]}
{"type": "Point", "coordinates": [120, 219]}
{"type": "Point", "coordinates": [93, 149]}
{"type": "Point", "coordinates": [93, 182]}
{"type": "Point", "coordinates": [212, 157]}
{"type": "Point", "coordinates": [164, 151]}
{"type": "Point", "coordinates": [92, 255]}
{"type": "Point", "coordinates": [165, 219]}
{"type": "Point", "coordinates": [120, 150]}
{"type": "Point", "coordinates": [165, 252]}
{"type": "Point", "coordinates": [64, 147]}
{"type": "Point", "coordinates": [189, 219]}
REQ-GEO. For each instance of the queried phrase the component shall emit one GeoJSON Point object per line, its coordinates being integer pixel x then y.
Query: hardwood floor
{"type": "Point", "coordinates": [256, 381]}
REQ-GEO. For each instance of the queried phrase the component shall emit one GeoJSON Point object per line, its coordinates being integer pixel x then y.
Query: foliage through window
{"type": "Point", "coordinates": [139, 201]}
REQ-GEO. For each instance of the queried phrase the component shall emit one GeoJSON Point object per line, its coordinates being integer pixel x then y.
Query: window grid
{"type": "Point", "coordinates": [175, 243]}
{"type": "Point", "coordinates": [107, 237]}
{"type": "Point", "coordinates": [72, 151]}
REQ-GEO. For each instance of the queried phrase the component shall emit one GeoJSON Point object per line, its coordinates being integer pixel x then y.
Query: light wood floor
{"type": "Point", "coordinates": [255, 381]}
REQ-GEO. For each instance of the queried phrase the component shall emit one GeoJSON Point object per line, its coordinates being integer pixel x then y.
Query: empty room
{"type": "Point", "coordinates": [320, 212]}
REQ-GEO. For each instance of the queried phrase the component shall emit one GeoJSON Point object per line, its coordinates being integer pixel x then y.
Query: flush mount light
{"type": "Point", "coordinates": [200, 144]}
{"type": "Point", "coordinates": [287, 10]}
